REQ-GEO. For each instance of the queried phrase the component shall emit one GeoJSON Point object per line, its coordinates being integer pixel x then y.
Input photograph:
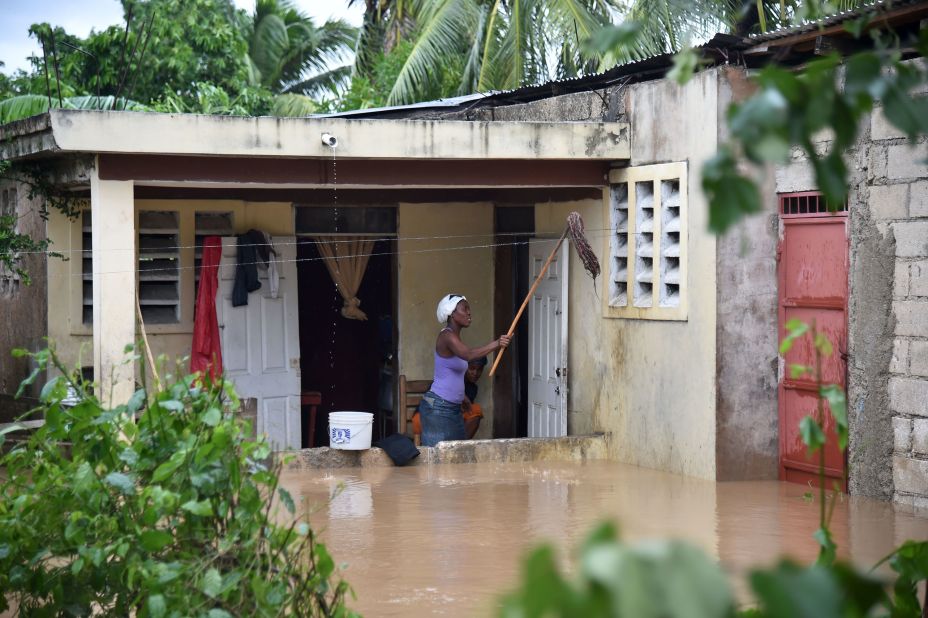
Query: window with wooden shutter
{"type": "Point", "coordinates": [159, 266]}
{"type": "Point", "coordinates": [86, 267]}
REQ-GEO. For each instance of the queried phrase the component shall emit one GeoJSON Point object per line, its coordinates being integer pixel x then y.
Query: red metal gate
{"type": "Point", "coordinates": [813, 280]}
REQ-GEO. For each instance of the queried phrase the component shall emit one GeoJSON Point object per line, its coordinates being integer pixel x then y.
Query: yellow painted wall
{"type": "Point", "coordinates": [650, 383]}
{"type": "Point", "coordinates": [64, 291]}
{"type": "Point", "coordinates": [428, 270]}
{"type": "Point", "coordinates": [171, 340]}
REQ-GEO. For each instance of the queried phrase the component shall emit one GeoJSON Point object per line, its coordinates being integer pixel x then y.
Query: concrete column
{"type": "Point", "coordinates": [114, 284]}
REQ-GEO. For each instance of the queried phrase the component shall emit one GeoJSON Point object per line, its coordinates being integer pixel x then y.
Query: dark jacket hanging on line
{"type": "Point", "coordinates": [252, 246]}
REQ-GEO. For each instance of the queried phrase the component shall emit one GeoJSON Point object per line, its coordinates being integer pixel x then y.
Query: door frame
{"type": "Point", "coordinates": [808, 471]}
{"type": "Point", "coordinates": [514, 226]}
{"type": "Point", "coordinates": [562, 372]}
{"type": "Point", "coordinates": [251, 377]}
{"type": "Point", "coordinates": [385, 424]}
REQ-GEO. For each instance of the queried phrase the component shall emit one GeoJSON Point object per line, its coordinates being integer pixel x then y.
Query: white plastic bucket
{"type": "Point", "coordinates": [350, 431]}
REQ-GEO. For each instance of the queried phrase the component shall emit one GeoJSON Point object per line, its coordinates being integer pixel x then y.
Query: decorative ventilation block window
{"type": "Point", "coordinates": [159, 266]}
{"type": "Point", "coordinates": [646, 211]}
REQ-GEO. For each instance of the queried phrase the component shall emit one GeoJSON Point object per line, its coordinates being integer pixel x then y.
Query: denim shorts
{"type": "Point", "coordinates": [441, 420]}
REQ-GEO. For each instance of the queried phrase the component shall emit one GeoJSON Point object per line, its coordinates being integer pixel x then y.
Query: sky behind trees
{"type": "Point", "coordinates": [79, 18]}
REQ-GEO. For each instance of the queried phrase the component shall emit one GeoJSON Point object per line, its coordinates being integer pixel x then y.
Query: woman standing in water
{"type": "Point", "coordinates": [440, 409]}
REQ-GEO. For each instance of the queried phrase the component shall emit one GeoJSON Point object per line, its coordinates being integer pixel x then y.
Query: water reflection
{"type": "Point", "coordinates": [350, 498]}
{"type": "Point", "coordinates": [448, 539]}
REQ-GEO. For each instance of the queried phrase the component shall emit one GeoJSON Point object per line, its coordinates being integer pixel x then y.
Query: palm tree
{"type": "Point", "coordinates": [498, 44]}
{"type": "Point", "coordinates": [502, 44]}
{"type": "Point", "coordinates": [288, 53]}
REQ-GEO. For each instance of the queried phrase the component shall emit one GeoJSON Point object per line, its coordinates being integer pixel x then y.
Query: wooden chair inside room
{"type": "Point", "coordinates": [411, 392]}
{"type": "Point", "coordinates": [309, 403]}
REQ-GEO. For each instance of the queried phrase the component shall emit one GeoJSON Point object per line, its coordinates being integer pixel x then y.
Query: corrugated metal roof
{"type": "Point", "coordinates": [621, 72]}
{"type": "Point", "coordinates": [436, 104]}
{"type": "Point", "coordinates": [879, 6]}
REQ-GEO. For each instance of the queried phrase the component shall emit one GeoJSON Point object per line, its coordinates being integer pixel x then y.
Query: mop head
{"type": "Point", "coordinates": [575, 231]}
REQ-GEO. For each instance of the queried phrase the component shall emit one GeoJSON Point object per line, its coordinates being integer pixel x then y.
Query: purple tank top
{"type": "Point", "coordinates": [449, 378]}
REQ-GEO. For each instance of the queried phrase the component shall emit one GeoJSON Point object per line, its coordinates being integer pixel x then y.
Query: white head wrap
{"type": "Point", "coordinates": [446, 307]}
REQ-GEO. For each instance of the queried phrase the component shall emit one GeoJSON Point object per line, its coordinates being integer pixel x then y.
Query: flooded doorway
{"type": "Point", "coordinates": [515, 227]}
{"type": "Point", "coordinates": [348, 362]}
{"type": "Point", "coordinates": [813, 262]}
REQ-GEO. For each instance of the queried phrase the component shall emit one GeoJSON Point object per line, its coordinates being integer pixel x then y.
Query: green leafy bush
{"type": "Point", "coordinates": [161, 507]}
{"type": "Point", "coordinates": [670, 579]}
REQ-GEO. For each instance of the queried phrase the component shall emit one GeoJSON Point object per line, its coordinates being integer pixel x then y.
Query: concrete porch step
{"type": "Point", "coordinates": [569, 448]}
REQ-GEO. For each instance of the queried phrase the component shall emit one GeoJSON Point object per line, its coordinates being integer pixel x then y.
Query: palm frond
{"type": "Point", "coordinates": [293, 105]}
{"type": "Point", "coordinates": [669, 25]}
{"type": "Point", "coordinates": [331, 81]}
{"type": "Point", "coordinates": [470, 77]}
{"type": "Point", "coordinates": [445, 26]}
{"type": "Point", "coordinates": [576, 22]}
{"type": "Point", "coordinates": [515, 45]}
{"type": "Point", "coordinates": [369, 44]}
{"type": "Point", "coordinates": [572, 17]}
{"type": "Point", "coordinates": [27, 105]}
{"type": "Point", "coordinates": [22, 106]}
{"type": "Point", "coordinates": [269, 45]}
{"type": "Point", "coordinates": [106, 102]}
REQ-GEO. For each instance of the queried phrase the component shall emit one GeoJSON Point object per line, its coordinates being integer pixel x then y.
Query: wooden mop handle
{"type": "Point", "coordinates": [528, 297]}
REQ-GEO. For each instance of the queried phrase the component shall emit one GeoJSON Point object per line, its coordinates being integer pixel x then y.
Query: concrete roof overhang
{"type": "Point", "coordinates": [177, 154]}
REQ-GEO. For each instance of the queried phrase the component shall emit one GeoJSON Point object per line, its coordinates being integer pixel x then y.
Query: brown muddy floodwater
{"type": "Point", "coordinates": [449, 539]}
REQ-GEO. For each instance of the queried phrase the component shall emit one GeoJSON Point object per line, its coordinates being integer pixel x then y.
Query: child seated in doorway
{"type": "Point", "coordinates": [471, 411]}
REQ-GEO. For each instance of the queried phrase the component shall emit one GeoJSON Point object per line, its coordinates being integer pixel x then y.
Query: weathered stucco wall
{"type": "Point", "coordinates": [22, 305]}
{"type": "Point", "coordinates": [746, 332]}
{"type": "Point", "coordinates": [650, 383]}
{"type": "Point", "coordinates": [358, 138]}
{"type": "Point", "coordinates": [432, 267]}
{"type": "Point", "coordinates": [171, 340]}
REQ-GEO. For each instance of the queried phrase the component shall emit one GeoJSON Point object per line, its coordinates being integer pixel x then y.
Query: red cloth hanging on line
{"type": "Point", "coordinates": [206, 355]}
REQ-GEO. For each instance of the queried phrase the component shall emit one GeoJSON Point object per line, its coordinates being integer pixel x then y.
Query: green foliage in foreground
{"type": "Point", "coordinates": [161, 507]}
{"type": "Point", "coordinates": [670, 579]}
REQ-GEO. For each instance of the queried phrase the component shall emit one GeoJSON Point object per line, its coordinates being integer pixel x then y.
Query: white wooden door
{"type": "Point", "coordinates": [547, 342]}
{"type": "Point", "coordinates": [261, 343]}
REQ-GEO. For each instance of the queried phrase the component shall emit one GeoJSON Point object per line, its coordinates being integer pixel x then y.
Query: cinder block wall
{"type": "Point", "coordinates": [904, 201]}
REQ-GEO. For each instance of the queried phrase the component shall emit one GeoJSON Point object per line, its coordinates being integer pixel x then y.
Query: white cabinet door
{"type": "Point", "coordinates": [261, 343]}
{"type": "Point", "coordinates": [547, 342]}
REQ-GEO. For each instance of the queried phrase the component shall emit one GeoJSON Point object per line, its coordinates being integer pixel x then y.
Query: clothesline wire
{"type": "Point", "coordinates": [315, 259]}
{"type": "Point", "coordinates": [340, 238]}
